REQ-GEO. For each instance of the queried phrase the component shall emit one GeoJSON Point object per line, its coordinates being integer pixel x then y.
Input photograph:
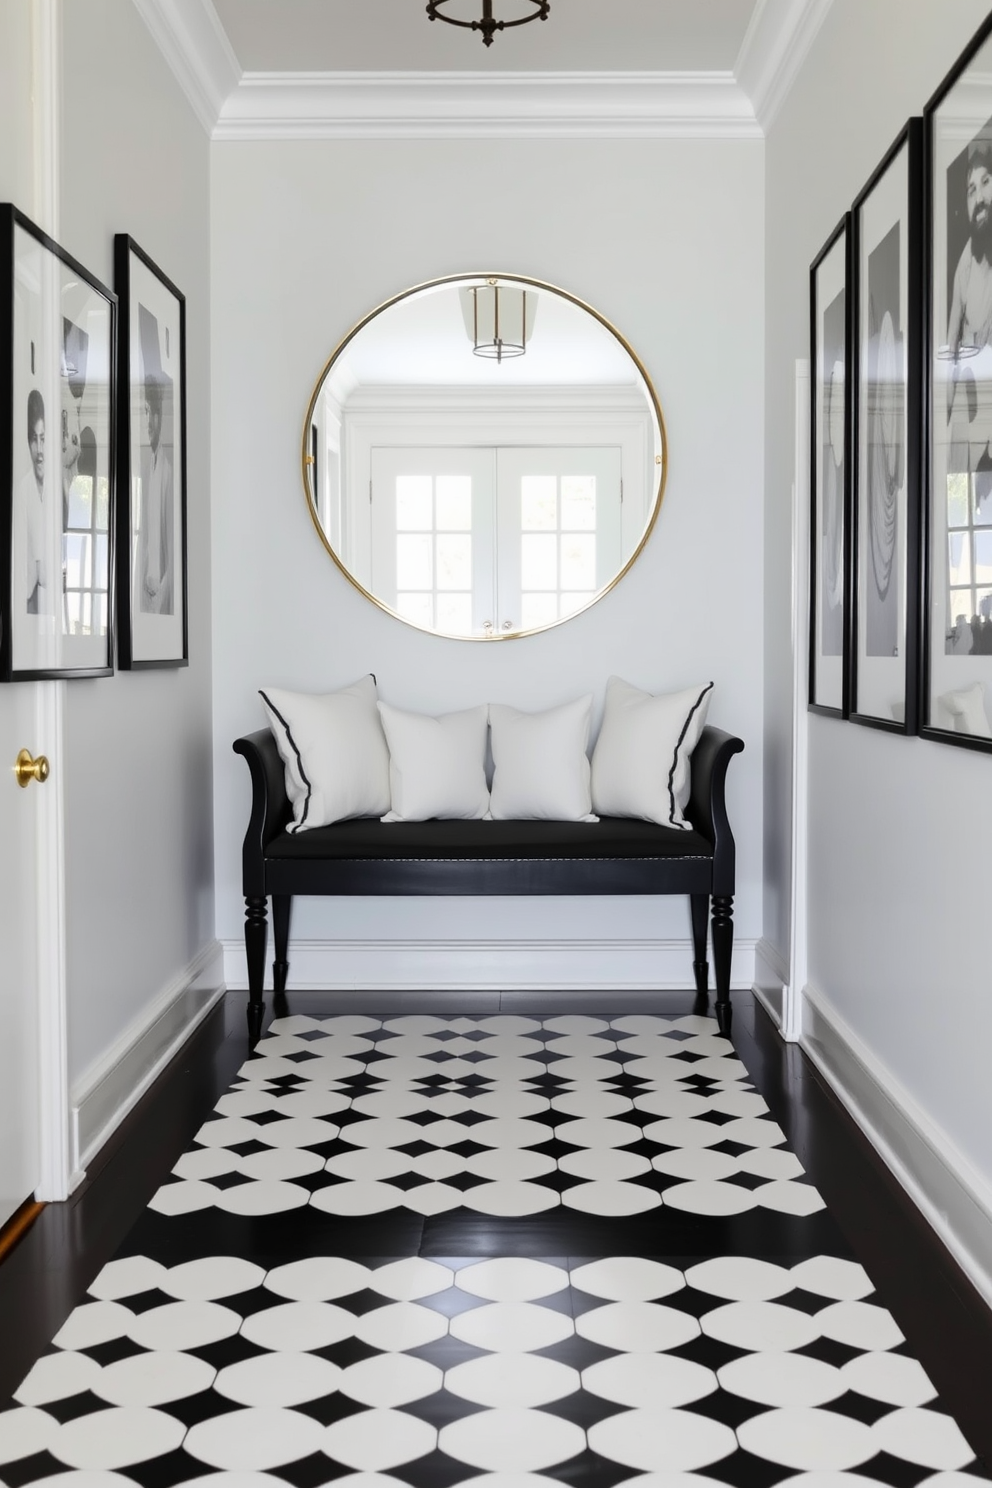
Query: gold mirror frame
{"type": "Point", "coordinates": [525, 282]}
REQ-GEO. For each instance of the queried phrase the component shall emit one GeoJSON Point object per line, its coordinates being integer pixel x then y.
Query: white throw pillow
{"type": "Point", "coordinates": [541, 764]}
{"type": "Point", "coordinates": [967, 709]}
{"type": "Point", "coordinates": [640, 765]}
{"type": "Point", "coordinates": [437, 766]}
{"type": "Point", "coordinates": [334, 751]}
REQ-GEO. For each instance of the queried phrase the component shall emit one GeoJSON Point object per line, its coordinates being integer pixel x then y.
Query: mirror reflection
{"type": "Point", "coordinates": [484, 456]}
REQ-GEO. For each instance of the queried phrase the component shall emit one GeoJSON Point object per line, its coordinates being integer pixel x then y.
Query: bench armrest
{"type": "Point", "coordinates": [707, 808]}
{"type": "Point", "coordinates": [270, 808]}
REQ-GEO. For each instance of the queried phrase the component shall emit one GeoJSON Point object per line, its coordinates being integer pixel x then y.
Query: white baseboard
{"type": "Point", "coordinates": [117, 1081]}
{"type": "Point", "coordinates": [945, 1186]}
{"type": "Point", "coordinates": [771, 980]}
{"type": "Point", "coordinates": [504, 965]}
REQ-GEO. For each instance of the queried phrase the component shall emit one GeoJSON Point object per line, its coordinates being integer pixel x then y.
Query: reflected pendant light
{"type": "Point", "coordinates": [488, 24]}
{"type": "Point", "coordinates": [499, 319]}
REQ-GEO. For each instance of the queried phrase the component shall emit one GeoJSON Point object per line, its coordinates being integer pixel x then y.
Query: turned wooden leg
{"type": "Point", "coordinates": [699, 905]}
{"type": "Point", "coordinates": [723, 949]}
{"type": "Point", "coordinates": [281, 907]}
{"type": "Point", "coordinates": [256, 930]}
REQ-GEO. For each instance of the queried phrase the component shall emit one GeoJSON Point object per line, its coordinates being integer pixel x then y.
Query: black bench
{"type": "Point", "coordinates": [612, 856]}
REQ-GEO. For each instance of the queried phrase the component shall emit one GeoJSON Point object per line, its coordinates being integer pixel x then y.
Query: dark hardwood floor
{"type": "Point", "coordinates": [945, 1320]}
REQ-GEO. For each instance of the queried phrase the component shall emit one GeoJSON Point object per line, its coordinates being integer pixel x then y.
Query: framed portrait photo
{"type": "Point", "coordinates": [956, 704]}
{"type": "Point", "coordinates": [151, 520]}
{"type": "Point", "coordinates": [830, 475]}
{"type": "Point", "coordinates": [887, 234]}
{"type": "Point", "coordinates": [57, 458]}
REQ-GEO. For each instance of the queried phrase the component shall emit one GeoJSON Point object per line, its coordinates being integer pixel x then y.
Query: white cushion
{"type": "Point", "coordinates": [967, 709]}
{"type": "Point", "coordinates": [640, 765]}
{"type": "Point", "coordinates": [334, 751]}
{"type": "Point", "coordinates": [541, 765]}
{"type": "Point", "coordinates": [437, 766]}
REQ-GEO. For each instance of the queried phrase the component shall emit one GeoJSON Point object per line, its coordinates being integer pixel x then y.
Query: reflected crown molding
{"type": "Point", "coordinates": [232, 104]}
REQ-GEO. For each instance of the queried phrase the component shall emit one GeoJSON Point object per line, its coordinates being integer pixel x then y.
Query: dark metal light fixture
{"type": "Point", "coordinates": [488, 24]}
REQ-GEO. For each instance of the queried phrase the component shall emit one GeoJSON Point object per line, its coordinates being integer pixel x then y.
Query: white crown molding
{"type": "Point", "coordinates": [775, 46]}
{"type": "Point", "coordinates": [193, 42]}
{"type": "Point", "coordinates": [470, 105]}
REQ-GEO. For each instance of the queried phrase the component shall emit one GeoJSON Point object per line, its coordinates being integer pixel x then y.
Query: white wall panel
{"type": "Point", "coordinates": [665, 238]}
{"type": "Point", "coordinates": [898, 829]}
{"type": "Point", "coordinates": [139, 872]}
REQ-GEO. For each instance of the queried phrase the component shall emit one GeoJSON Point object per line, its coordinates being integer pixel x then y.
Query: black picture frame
{"type": "Point", "coordinates": [57, 340]}
{"type": "Point", "coordinates": [152, 587]}
{"type": "Point", "coordinates": [956, 625]}
{"type": "Point", "coordinates": [830, 474]}
{"type": "Point", "coordinates": [887, 427]}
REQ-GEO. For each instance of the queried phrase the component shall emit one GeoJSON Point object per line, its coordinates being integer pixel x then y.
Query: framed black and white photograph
{"type": "Point", "coordinates": [151, 525]}
{"type": "Point", "coordinates": [957, 630]}
{"type": "Point", "coordinates": [887, 236]}
{"type": "Point", "coordinates": [830, 438]}
{"type": "Point", "coordinates": [57, 452]}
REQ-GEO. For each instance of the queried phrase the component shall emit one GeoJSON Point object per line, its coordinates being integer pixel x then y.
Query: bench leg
{"type": "Point", "coordinates": [723, 948]}
{"type": "Point", "coordinates": [281, 906]}
{"type": "Point", "coordinates": [256, 929]}
{"type": "Point", "coordinates": [699, 904]}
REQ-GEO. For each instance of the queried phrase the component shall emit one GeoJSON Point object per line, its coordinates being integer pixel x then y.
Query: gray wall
{"type": "Point", "coordinates": [306, 238]}
{"type": "Point", "coordinates": [139, 858]}
{"type": "Point", "coordinates": [898, 861]}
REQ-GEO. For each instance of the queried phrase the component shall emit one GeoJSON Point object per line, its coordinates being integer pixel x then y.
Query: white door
{"type": "Point", "coordinates": [20, 1163]}
{"type": "Point", "coordinates": [432, 536]}
{"type": "Point", "coordinates": [559, 523]}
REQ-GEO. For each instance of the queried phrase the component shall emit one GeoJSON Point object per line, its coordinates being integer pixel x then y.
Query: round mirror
{"type": "Point", "coordinates": [484, 456]}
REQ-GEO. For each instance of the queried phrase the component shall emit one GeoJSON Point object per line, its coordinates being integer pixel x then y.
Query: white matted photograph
{"type": "Point", "coordinates": [57, 452]}
{"type": "Point", "coordinates": [957, 639]}
{"type": "Point", "coordinates": [151, 553]}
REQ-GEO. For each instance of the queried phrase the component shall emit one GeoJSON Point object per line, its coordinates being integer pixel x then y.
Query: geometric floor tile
{"type": "Point", "coordinates": [511, 1252]}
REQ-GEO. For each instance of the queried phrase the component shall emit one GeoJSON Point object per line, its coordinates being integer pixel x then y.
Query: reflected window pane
{"type": "Point", "coordinates": [413, 562]}
{"type": "Point", "coordinates": [101, 575]}
{"type": "Point", "coordinates": [416, 607]}
{"type": "Point", "coordinates": [959, 558]}
{"type": "Point", "coordinates": [578, 503]}
{"type": "Point", "coordinates": [539, 561]}
{"type": "Point", "coordinates": [454, 613]}
{"type": "Point", "coordinates": [103, 505]}
{"type": "Point", "coordinates": [77, 560]}
{"type": "Point", "coordinates": [959, 605]}
{"type": "Point", "coordinates": [100, 614]}
{"type": "Point", "coordinates": [572, 602]}
{"type": "Point", "coordinates": [454, 561]}
{"type": "Point", "coordinates": [454, 503]}
{"type": "Point", "coordinates": [957, 500]}
{"type": "Point", "coordinates": [538, 609]}
{"type": "Point", "coordinates": [983, 557]}
{"type": "Point", "coordinates": [414, 503]}
{"type": "Point", "coordinates": [81, 501]}
{"type": "Point", "coordinates": [578, 562]}
{"type": "Point", "coordinates": [538, 503]}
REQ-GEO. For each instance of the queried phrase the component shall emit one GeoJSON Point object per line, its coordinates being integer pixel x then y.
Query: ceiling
{"type": "Point", "coordinates": [396, 35]}
{"type": "Point", "coordinates": [307, 69]}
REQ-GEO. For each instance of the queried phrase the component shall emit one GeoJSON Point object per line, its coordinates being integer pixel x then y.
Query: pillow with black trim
{"type": "Point", "coordinates": [640, 765]}
{"type": "Point", "coordinates": [437, 766]}
{"type": "Point", "coordinates": [334, 751]}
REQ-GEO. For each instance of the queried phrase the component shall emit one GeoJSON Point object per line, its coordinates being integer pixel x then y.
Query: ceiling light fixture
{"type": "Point", "coordinates": [499, 319]}
{"type": "Point", "coordinates": [488, 24]}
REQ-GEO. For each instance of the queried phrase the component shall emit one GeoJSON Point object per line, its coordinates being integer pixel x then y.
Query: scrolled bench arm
{"type": "Point", "coordinates": [707, 809]}
{"type": "Point", "coordinates": [270, 808]}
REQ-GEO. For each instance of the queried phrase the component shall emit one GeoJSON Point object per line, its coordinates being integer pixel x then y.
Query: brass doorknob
{"type": "Point", "coordinates": [27, 769]}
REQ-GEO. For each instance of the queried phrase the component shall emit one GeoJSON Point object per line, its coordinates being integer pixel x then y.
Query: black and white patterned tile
{"type": "Point", "coordinates": [503, 1116]}
{"type": "Point", "coordinates": [509, 1372]}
